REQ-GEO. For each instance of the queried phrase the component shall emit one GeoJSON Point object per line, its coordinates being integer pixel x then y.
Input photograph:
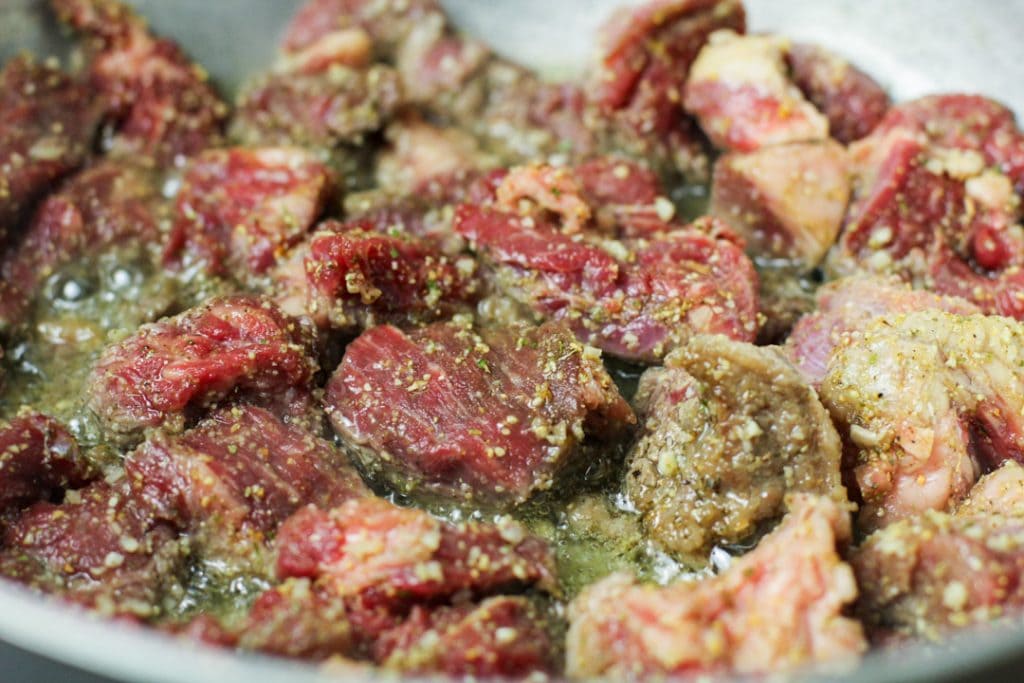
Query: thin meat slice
{"type": "Point", "coordinates": [239, 210]}
{"type": "Point", "coordinates": [928, 401]}
{"type": "Point", "coordinates": [853, 102]}
{"type": "Point", "coordinates": [637, 299]}
{"type": "Point", "coordinates": [392, 558]}
{"type": "Point", "coordinates": [778, 608]}
{"type": "Point", "coordinates": [47, 124]}
{"type": "Point", "coordinates": [729, 430]}
{"type": "Point", "coordinates": [739, 90]}
{"type": "Point", "coordinates": [847, 306]}
{"type": "Point", "coordinates": [786, 201]}
{"type": "Point", "coordinates": [500, 637]}
{"type": "Point", "coordinates": [230, 346]}
{"type": "Point", "coordinates": [929, 575]}
{"type": "Point", "coordinates": [493, 415]}
{"type": "Point", "coordinates": [160, 104]}
{"type": "Point", "coordinates": [356, 277]}
{"type": "Point", "coordinates": [99, 548]}
{"type": "Point", "coordinates": [39, 458]}
{"type": "Point", "coordinates": [235, 477]}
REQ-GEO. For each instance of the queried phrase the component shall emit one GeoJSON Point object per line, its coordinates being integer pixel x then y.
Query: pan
{"type": "Point", "coordinates": [913, 48]}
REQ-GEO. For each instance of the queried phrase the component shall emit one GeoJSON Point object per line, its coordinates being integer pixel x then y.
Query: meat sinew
{"type": "Point", "coordinates": [777, 608]}
{"type": "Point", "coordinates": [848, 305]}
{"type": "Point", "coordinates": [159, 103]}
{"type": "Point", "coordinates": [239, 210]}
{"type": "Point", "coordinates": [47, 125]}
{"type": "Point", "coordinates": [493, 415]}
{"type": "Point", "coordinates": [232, 479]}
{"type": "Point", "coordinates": [786, 201]}
{"type": "Point", "coordinates": [728, 430]}
{"type": "Point", "coordinates": [229, 346]}
{"type": "Point", "coordinates": [38, 458]}
{"type": "Point", "coordinates": [928, 400]}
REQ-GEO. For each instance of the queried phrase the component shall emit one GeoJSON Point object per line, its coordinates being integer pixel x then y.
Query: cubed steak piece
{"type": "Point", "coordinates": [853, 102]}
{"type": "Point", "coordinates": [232, 479]}
{"type": "Point", "coordinates": [393, 558]}
{"type": "Point", "coordinates": [356, 277]}
{"type": "Point", "coordinates": [929, 575]}
{"type": "Point", "coordinates": [646, 54]}
{"type": "Point", "coordinates": [98, 548]}
{"type": "Point", "coordinates": [848, 305]}
{"type": "Point", "coordinates": [928, 401]}
{"type": "Point", "coordinates": [39, 458]}
{"type": "Point", "coordinates": [234, 346]}
{"type": "Point", "coordinates": [160, 104]}
{"type": "Point", "coordinates": [634, 298]}
{"type": "Point", "coordinates": [500, 637]}
{"type": "Point", "coordinates": [739, 90]}
{"type": "Point", "coordinates": [1000, 492]}
{"type": "Point", "coordinates": [938, 201]}
{"type": "Point", "coordinates": [239, 210]}
{"type": "Point", "coordinates": [493, 415]}
{"type": "Point", "coordinates": [47, 125]}
{"type": "Point", "coordinates": [778, 608]}
{"type": "Point", "coordinates": [728, 430]}
{"type": "Point", "coordinates": [786, 201]}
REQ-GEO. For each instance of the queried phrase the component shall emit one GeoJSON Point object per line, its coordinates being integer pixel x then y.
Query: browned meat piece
{"type": "Point", "coordinates": [636, 299]}
{"type": "Point", "coordinates": [493, 415]}
{"type": "Point", "coordinates": [927, 400]}
{"type": "Point", "coordinates": [98, 548]}
{"type": "Point", "coordinates": [853, 102]}
{"type": "Point", "coordinates": [647, 52]}
{"type": "Point", "coordinates": [501, 637]}
{"type": "Point", "coordinates": [160, 104]}
{"type": "Point", "coordinates": [239, 210]}
{"type": "Point", "coordinates": [729, 429]}
{"type": "Point", "coordinates": [230, 346]}
{"type": "Point", "coordinates": [296, 619]}
{"type": "Point", "coordinates": [109, 205]}
{"type": "Point", "coordinates": [931, 574]}
{"type": "Point", "coordinates": [420, 153]}
{"type": "Point", "coordinates": [47, 125]}
{"type": "Point", "coordinates": [740, 92]}
{"type": "Point", "coordinates": [849, 305]}
{"type": "Point", "coordinates": [231, 480]}
{"type": "Point", "coordinates": [938, 201]}
{"type": "Point", "coordinates": [355, 278]}
{"type": "Point", "coordinates": [38, 459]}
{"type": "Point", "coordinates": [786, 201]}
{"type": "Point", "coordinates": [778, 608]}
{"type": "Point", "coordinates": [1001, 492]}
{"type": "Point", "coordinates": [392, 558]}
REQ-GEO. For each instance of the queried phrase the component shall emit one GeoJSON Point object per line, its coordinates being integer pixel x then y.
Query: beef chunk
{"type": "Point", "coordinates": [420, 153]}
{"type": "Point", "coordinates": [392, 558]}
{"type": "Point", "coordinates": [355, 278]}
{"type": "Point", "coordinates": [47, 125]}
{"type": "Point", "coordinates": [493, 415]}
{"type": "Point", "coordinates": [741, 94]}
{"type": "Point", "coordinates": [296, 619]}
{"type": "Point", "coordinates": [928, 401]}
{"type": "Point", "coordinates": [229, 346]}
{"type": "Point", "coordinates": [849, 305]}
{"type": "Point", "coordinates": [635, 299]}
{"type": "Point", "coordinates": [1000, 492]}
{"type": "Point", "coordinates": [38, 459]}
{"type": "Point", "coordinates": [937, 201]}
{"type": "Point", "coordinates": [501, 637]}
{"type": "Point", "coordinates": [729, 429]}
{"type": "Point", "coordinates": [239, 210]}
{"type": "Point", "coordinates": [934, 573]}
{"type": "Point", "coordinates": [787, 201]}
{"type": "Point", "coordinates": [160, 104]}
{"type": "Point", "coordinates": [853, 102]}
{"type": "Point", "coordinates": [98, 548]}
{"type": "Point", "coordinates": [778, 608]}
{"type": "Point", "coordinates": [232, 479]}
